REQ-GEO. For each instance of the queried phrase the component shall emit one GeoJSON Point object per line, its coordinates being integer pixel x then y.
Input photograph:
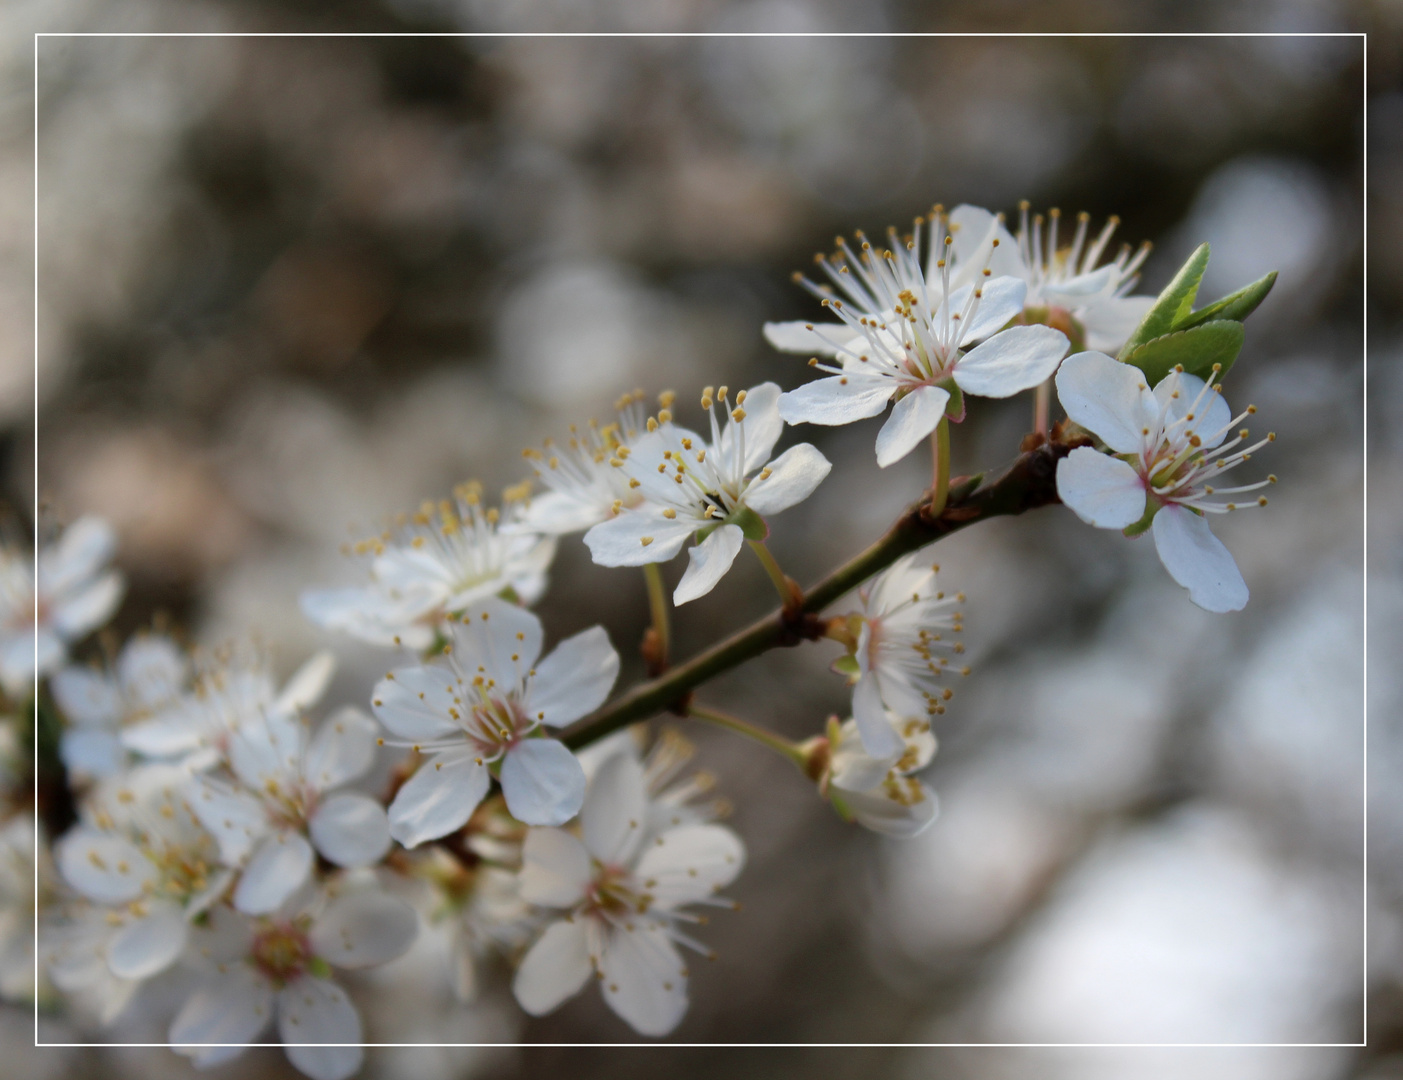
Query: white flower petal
{"type": "Point", "coordinates": [903, 817]}
{"type": "Point", "coordinates": [690, 863]}
{"type": "Point", "coordinates": [708, 562]}
{"type": "Point", "coordinates": [234, 818]}
{"type": "Point", "coordinates": [148, 944]}
{"type": "Point", "coordinates": [555, 868]}
{"type": "Point", "coordinates": [559, 513]}
{"type": "Point", "coordinates": [232, 1007]}
{"type": "Point", "coordinates": [542, 782]}
{"type": "Point", "coordinates": [367, 614]}
{"type": "Point", "coordinates": [342, 750]}
{"type": "Point", "coordinates": [88, 606]}
{"type": "Point", "coordinates": [762, 426]}
{"type": "Point", "coordinates": [643, 977]}
{"type": "Point", "coordinates": [837, 400]}
{"type": "Point", "coordinates": [503, 638]}
{"type": "Point", "coordinates": [92, 753]}
{"type": "Point", "coordinates": [619, 541]}
{"type": "Point", "coordinates": [87, 698]}
{"type": "Point", "coordinates": [554, 969]}
{"type": "Point", "coordinates": [1000, 299]}
{"type": "Point", "coordinates": [973, 229]}
{"type": "Point", "coordinates": [439, 798]}
{"type": "Point", "coordinates": [363, 929]}
{"type": "Point", "coordinates": [279, 866]}
{"type": "Point", "coordinates": [350, 829]}
{"type": "Point", "coordinates": [914, 417]}
{"type": "Point", "coordinates": [810, 339]}
{"type": "Point", "coordinates": [266, 749]}
{"type": "Point", "coordinates": [81, 551]}
{"type": "Point", "coordinates": [793, 477]}
{"type": "Point", "coordinates": [615, 810]}
{"type": "Point", "coordinates": [1108, 398]}
{"type": "Point", "coordinates": [852, 768]}
{"type": "Point", "coordinates": [1015, 359]}
{"type": "Point", "coordinates": [574, 679]}
{"type": "Point", "coordinates": [1197, 560]}
{"type": "Point", "coordinates": [1101, 490]}
{"type": "Point", "coordinates": [1077, 290]}
{"type": "Point", "coordinates": [1110, 322]}
{"type": "Point", "coordinates": [170, 732]}
{"type": "Point", "coordinates": [878, 737]}
{"type": "Point", "coordinates": [152, 670]}
{"type": "Point", "coordinates": [307, 685]}
{"type": "Point", "coordinates": [414, 702]}
{"type": "Point", "coordinates": [312, 1010]}
{"type": "Point", "coordinates": [102, 867]}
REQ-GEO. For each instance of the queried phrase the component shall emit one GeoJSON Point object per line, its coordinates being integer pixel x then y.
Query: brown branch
{"type": "Point", "coordinates": [1028, 484]}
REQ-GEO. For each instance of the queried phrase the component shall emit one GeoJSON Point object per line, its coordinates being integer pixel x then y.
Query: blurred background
{"type": "Point", "coordinates": [289, 287]}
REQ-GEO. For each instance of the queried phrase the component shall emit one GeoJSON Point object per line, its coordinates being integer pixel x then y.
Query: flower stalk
{"type": "Point", "coordinates": [755, 733]}
{"type": "Point", "coordinates": [1029, 483]}
{"type": "Point", "coordinates": [657, 639]}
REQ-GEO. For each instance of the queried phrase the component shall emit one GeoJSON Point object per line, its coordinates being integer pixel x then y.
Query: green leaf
{"type": "Point", "coordinates": [1174, 303]}
{"type": "Point", "coordinates": [1197, 349]}
{"type": "Point", "coordinates": [1236, 305]}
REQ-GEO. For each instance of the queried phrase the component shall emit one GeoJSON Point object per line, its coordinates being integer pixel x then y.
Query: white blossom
{"type": "Point", "coordinates": [433, 566]}
{"type": "Point", "coordinates": [476, 711]}
{"type": "Point", "coordinates": [880, 793]}
{"type": "Point", "coordinates": [142, 857]}
{"type": "Point", "coordinates": [1166, 451]}
{"type": "Point", "coordinates": [279, 803]}
{"type": "Point", "coordinates": [622, 897]}
{"type": "Point", "coordinates": [904, 626]}
{"type": "Point", "coordinates": [150, 675]}
{"type": "Point", "coordinates": [1066, 287]}
{"type": "Point", "coordinates": [585, 488]}
{"type": "Point", "coordinates": [20, 866]}
{"type": "Point", "coordinates": [715, 489]}
{"type": "Point", "coordinates": [233, 689]}
{"type": "Point", "coordinates": [920, 336]}
{"type": "Point", "coordinates": [280, 965]}
{"type": "Point", "coordinates": [73, 593]}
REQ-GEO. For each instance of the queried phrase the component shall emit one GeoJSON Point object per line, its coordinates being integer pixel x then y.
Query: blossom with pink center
{"type": "Point", "coordinates": [1166, 451]}
{"type": "Point", "coordinates": [904, 629]}
{"type": "Point", "coordinates": [913, 333]}
{"type": "Point", "coordinates": [476, 711]}
{"type": "Point", "coordinates": [278, 806]}
{"type": "Point", "coordinates": [45, 608]}
{"type": "Point", "coordinates": [1066, 286]}
{"type": "Point", "coordinates": [621, 891]}
{"type": "Point", "coordinates": [280, 964]}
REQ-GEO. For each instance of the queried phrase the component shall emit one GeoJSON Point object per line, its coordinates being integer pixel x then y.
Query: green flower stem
{"type": "Point", "coordinates": [1042, 407]}
{"type": "Point", "coordinates": [777, 743]}
{"type": "Point", "coordinates": [940, 452]}
{"type": "Point", "coordinates": [1028, 484]}
{"type": "Point", "coordinates": [657, 603]}
{"type": "Point", "coordinates": [767, 560]}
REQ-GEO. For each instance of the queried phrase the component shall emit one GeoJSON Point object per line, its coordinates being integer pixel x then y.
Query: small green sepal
{"type": "Point", "coordinates": [751, 523]}
{"type": "Point", "coordinates": [847, 665]}
{"type": "Point", "coordinates": [1151, 509]}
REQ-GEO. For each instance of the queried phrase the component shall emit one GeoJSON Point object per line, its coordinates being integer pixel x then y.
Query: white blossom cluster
{"type": "Point", "coordinates": [233, 834]}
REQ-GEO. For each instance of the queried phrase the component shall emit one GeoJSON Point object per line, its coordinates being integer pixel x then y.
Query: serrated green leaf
{"type": "Point", "coordinates": [1235, 306]}
{"type": "Point", "coordinates": [1174, 303]}
{"type": "Point", "coordinates": [1197, 349]}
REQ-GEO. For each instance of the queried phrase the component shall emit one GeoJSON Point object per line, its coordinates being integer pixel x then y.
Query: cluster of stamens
{"type": "Point", "coordinates": [1176, 465]}
{"type": "Point", "coordinates": [904, 325]}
